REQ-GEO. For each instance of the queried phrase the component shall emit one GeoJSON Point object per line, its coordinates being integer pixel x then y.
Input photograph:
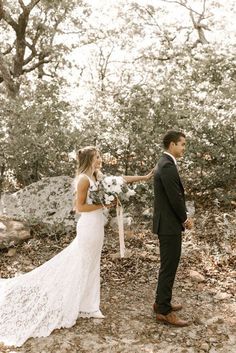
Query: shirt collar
{"type": "Point", "coordinates": [171, 157]}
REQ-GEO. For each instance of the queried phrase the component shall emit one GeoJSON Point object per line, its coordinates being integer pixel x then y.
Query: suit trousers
{"type": "Point", "coordinates": [170, 252]}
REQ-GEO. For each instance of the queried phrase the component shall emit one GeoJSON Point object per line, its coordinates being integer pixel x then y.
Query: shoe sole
{"type": "Point", "coordinates": [170, 324]}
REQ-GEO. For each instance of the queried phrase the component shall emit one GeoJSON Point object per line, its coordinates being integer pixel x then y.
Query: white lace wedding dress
{"type": "Point", "coordinates": [52, 295]}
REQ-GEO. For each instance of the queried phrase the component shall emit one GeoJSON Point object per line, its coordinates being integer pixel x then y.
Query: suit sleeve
{"type": "Point", "coordinates": [170, 181]}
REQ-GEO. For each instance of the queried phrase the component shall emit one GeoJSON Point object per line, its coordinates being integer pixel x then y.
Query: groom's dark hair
{"type": "Point", "coordinates": [172, 136]}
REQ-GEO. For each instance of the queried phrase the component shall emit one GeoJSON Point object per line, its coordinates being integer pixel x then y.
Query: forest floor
{"type": "Point", "coordinates": [127, 293]}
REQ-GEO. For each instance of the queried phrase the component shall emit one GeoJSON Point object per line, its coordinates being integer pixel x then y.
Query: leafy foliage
{"type": "Point", "coordinates": [141, 79]}
{"type": "Point", "coordinates": [38, 136]}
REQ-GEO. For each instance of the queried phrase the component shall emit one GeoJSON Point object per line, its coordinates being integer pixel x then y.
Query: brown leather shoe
{"type": "Point", "coordinates": [174, 307]}
{"type": "Point", "coordinates": [171, 319]}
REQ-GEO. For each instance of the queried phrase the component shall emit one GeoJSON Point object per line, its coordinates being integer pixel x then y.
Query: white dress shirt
{"type": "Point", "coordinates": [171, 157]}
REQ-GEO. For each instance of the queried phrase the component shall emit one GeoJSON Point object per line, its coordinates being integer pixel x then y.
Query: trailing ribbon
{"type": "Point", "coordinates": [120, 221]}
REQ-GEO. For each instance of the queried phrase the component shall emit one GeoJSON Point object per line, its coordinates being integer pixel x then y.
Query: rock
{"type": "Point", "coordinates": [205, 347]}
{"type": "Point", "coordinates": [233, 274]}
{"type": "Point", "coordinates": [193, 335]}
{"type": "Point", "coordinates": [115, 256]}
{"type": "Point", "coordinates": [215, 320]}
{"type": "Point", "coordinates": [2, 227]}
{"type": "Point", "coordinates": [12, 233]}
{"type": "Point", "coordinates": [222, 296]}
{"type": "Point", "coordinates": [65, 346]}
{"type": "Point", "coordinates": [49, 201]}
{"type": "Point", "coordinates": [148, 213]}
{"type": "Point", "coordinates": [196, 276]}
{"type": "Point", "coordinates": [11, 252]}
{"type": "Point", "coordinates": [213, 350]}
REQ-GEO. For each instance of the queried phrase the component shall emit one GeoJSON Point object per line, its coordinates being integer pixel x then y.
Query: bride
{"type": "Point", "coordinates": [66, 287]}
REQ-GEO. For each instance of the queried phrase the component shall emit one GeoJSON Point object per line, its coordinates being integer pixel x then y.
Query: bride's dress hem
{"type": "Point", "coordinates": [50, 297]}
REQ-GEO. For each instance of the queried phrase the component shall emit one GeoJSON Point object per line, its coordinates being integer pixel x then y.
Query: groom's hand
{"type": "Point", "coordinates": [188, 224]}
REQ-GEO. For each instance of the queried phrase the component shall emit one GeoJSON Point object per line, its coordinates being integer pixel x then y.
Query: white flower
{"type": "Point", "coordinates": [108, 199]}
{"type": "Point", "coordinates": [110, 188]}
{"type": "Point", "coordinates": [130, 193]}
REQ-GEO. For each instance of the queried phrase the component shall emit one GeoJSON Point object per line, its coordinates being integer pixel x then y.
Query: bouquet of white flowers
{"type": "Point", "coordinates": [108, 189]}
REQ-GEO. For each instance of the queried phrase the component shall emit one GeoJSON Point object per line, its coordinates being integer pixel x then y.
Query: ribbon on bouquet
{"type": "Point", "coordinates": [120, 221]}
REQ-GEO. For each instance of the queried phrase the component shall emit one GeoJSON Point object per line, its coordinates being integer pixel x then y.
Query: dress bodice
{"type": "Point", "coordinates": [93, 186]}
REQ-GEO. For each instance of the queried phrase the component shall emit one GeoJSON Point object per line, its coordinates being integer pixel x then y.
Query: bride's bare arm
{"type": "Point", "coordinates": [81, 196]}
{"type": "Point", "coordinates": [133, 178]}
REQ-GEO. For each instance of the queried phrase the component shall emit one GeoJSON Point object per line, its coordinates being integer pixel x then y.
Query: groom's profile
{"type": "Point", "coordinates": [169, 220]}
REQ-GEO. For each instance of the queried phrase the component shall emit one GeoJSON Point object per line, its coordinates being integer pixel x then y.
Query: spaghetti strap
{"type": "Point", "coordinates": [90, 179]}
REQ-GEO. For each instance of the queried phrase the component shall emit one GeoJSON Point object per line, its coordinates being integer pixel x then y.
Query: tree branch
{"type": "Point", "coordinates": [32, 55]}
{"type": "Point", "coordinates": [200, 29]}
{"type": "Point", "coordinates": [196, 24]}
{"type": "Point", "coordinates": [12, 87]}
{"type": "Point", "coordinates": [204, 7]}
{"type": "Point", "coordinates": [21, 4]}
{"type": "Point", "coordinates": [152, 58]}
{"type": "Point", "coordinates": [36, 65]}
{"type": "Point", "coordinates": [8, 50]}
{"type": "Point", "coordinates": [182, 4]}
{"type": "Point", "coordinates": [7, 17]}
{"type": "Point", "coordinates": [31, 5]}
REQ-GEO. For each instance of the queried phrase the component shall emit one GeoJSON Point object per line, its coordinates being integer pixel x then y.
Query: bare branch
{"type": "Point", "coordinates": [56, 25]}
{"type": "Point", "coordinates": [21, 4]}
{"type": "Point", "coordinates": [33, 53]}
{"type": "Point", "coordinates": [156, 24]}
{"type": "Point", "coordinates": [182, 3]}
{"type": "Point", "coordinates": [7, 17]}
{"type": "Point", "coordinates": [150, 14]}
{"type": "Point", "coordinates": [204, 6]}
{"type": "Point", "coordinates": [153, 58]}
{"type": "Point", "coordinates": [73, 32]}
{"type": "Point", "coordinates": [193, 19]}
{"type": "Point", "coordinates": [31, 5]}
{"type": "Point", "coordinates": [200, 29]}
{"type": "Point", "coordinates": [36, 65]}
{"type": "Point", "coordinates": [8, 50]}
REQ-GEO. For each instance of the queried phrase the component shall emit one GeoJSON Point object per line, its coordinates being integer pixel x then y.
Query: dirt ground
{"type": "Point", "coordinates": [127, 293]}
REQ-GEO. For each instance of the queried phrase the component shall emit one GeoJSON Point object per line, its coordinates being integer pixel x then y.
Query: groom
{"type": "Point", "coordinates": [169, 220]}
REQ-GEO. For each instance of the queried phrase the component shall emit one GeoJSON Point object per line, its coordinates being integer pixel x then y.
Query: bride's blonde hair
{"type": "Point", "coordinates": [84, 158]}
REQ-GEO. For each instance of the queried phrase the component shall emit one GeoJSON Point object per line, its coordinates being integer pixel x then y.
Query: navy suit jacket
{"type": "Point", "coordinates": [169, 199]}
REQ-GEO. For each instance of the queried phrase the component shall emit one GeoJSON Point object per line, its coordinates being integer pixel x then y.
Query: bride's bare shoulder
{"type": "Point", "coordinates": [81, 180]}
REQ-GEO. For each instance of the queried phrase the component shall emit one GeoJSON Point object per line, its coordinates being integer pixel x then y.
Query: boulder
{"type": "Point", "coordinates": [48, 201]}
{"type": "Point", "coordinates": [196, 276]}
{"type": "Point", "coordinates": [12, 232]}
{"type": "Point", "coordinates": [222, 296]}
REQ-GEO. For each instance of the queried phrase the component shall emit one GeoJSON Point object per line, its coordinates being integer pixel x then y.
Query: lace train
{"type": "Point", "coordinates": [95, 315]}
{"type": "Point", "coordinates": [52, 295]}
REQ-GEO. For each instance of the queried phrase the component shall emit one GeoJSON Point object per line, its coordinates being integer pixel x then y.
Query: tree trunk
{"type": "Point", "coordinates": [12, 86]}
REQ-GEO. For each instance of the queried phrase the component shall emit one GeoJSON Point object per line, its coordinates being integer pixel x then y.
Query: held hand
{"type": "Point", "coordinates": [188, 224]}
{"type": "Point", "coordinates": [149, 175]}
{"type": "Point", "coordinates": [191, 223]}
